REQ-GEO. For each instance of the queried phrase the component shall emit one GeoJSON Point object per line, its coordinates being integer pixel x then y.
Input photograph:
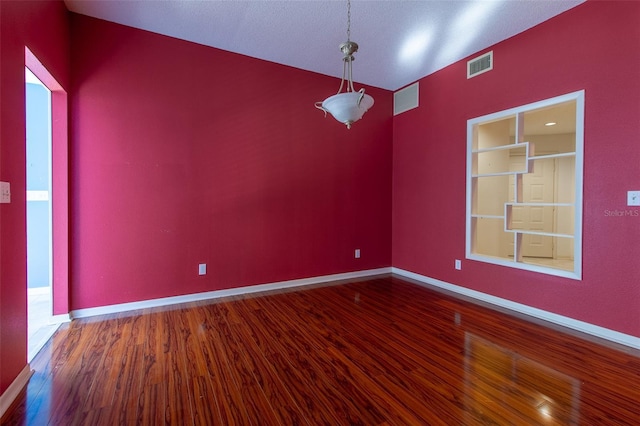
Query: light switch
{"type": "Point", "coordinates": [633, 198]}
{"type": "Point", "coordinates": [5, 192]}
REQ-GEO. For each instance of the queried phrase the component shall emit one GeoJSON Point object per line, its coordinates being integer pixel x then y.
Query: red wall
{"type": "Point", "coordinates": [183, 154]}
{"type": "Point", "coordinates": [594, 47]}
{"type": "Point", "coordinates": [43, 27]}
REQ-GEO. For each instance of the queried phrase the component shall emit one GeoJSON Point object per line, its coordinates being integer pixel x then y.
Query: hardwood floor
{"type": "Point", "coordinates": [375, 352]}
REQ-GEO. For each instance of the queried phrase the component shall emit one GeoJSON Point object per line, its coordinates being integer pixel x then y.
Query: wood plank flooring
{"type": "Point", "coordinates": [375, 352]}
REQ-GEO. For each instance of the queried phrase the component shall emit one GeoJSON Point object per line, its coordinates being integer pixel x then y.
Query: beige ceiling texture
{"type": "Point", "coordinates": [400, 41]}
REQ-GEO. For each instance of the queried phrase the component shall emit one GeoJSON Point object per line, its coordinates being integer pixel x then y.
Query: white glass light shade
{"type": "Point", "coordinates": [345, 106]}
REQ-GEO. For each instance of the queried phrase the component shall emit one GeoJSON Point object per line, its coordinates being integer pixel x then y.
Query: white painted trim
{"type": "Point", "coordinates": [59, 319]}
{"type": "Point", "coordinates": [584, 327]}
{"type": "Point", "coordinates": [578, 97]}
{"type": "Point", "coordinates": [14, 389]}
{"type": "Point", "coordinates": [165, 301]}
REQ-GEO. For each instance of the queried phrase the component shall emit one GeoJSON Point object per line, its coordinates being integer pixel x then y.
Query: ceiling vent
{"type": "Point", "coordinates": [405, 99]}
{"type": "Point", "coordinates": [480, 65]}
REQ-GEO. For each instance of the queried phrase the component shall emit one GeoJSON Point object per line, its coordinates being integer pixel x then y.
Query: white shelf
{"type": "Point", "coordinates": [560, 155]}
{"type": "Point", "coordinates": [488, 216]}
{"type": "Point", "coordinates": [546, 234]}
{"type": "Point", "coordinates": [501, 147]}
{"type": "Point", "coordinates": [541, 204]}
{"type": "Point", "coordinates": [507, 213]}
{"type": "Point", "coordinates": [495, 174]}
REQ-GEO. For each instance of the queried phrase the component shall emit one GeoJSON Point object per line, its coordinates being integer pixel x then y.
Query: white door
{"type": "Point", "coordinates": [537, 187]}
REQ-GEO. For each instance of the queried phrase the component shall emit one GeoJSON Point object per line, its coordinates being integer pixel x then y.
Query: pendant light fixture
{"type": "Point", "coordinates": [349, 106]}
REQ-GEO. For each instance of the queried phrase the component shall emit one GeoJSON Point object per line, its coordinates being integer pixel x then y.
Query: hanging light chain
{"type": "Point", "coordinates": [347, 107]}
{"type": "Point", "coordinates": [348, 20]}
{"type": "Point", "coordinates": [348, 49]}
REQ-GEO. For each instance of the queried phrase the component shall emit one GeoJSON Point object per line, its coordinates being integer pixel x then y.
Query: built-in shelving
{"type": "Point", "coordinates": [518, 198]}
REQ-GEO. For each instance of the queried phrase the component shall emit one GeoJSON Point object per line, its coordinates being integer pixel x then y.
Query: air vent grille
{"type": "Point", "coordinates": [405, 99]}
{"type": "Point", "coordinates": [480, 65]}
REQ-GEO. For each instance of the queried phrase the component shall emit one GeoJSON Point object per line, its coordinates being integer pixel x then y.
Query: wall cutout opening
{"type": "Point", "coordinates": [57, 192]}
{"type": "Point", "coordinates": [39, 240]}
{"type": "Point", "coordinates": [524, 187]}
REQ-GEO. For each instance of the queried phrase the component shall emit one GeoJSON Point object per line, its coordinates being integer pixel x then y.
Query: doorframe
{"type": "Point", "coordinates": [59, 188]}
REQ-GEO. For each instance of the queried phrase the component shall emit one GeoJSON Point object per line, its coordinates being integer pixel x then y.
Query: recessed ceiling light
{"type": "Point", "coordinates": [551, 123]}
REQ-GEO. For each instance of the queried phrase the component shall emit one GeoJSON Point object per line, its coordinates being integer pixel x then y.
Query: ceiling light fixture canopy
{"type": "Point", "coordinates": [349, 106]}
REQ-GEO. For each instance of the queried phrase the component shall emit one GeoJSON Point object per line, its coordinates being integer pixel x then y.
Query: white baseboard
{"type": "Point", "coordinates": [581, 326]}
{"type": "Point", "coordinates": [584, 327]}
{"type": "Point", "coordinates": [14, 389]}
{"type": "Point", "coordinates": [165, 301]}
{"type": "Point", "coordinates": [59, 319]}
{"type": "Point", "coordinates": [7, 398]}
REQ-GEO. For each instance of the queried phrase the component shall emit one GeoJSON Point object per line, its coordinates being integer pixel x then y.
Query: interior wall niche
{"type": "Point", "coordinates": [524, 186]}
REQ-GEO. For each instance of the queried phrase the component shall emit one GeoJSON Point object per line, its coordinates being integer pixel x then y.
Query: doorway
{"type": "Point", "coordinates": [39, 213]}
{"type": "Point", "coordinates": [47, 206]}
{"type": "Point", "coordinates": [537, 187]}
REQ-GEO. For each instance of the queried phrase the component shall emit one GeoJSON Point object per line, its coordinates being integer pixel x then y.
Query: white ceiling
{"type": "Point", "coordinates": [400, 41]}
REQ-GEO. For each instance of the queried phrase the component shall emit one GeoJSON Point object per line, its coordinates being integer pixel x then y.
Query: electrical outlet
{"type": "Point", "coordinates": [202, 269]}
{"type": "Point", "coordinates": [633, 198]}
{"type": "Point", "coordinates": [357, 254]}
{"type": "Point", "coordinates": [458, 264]}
